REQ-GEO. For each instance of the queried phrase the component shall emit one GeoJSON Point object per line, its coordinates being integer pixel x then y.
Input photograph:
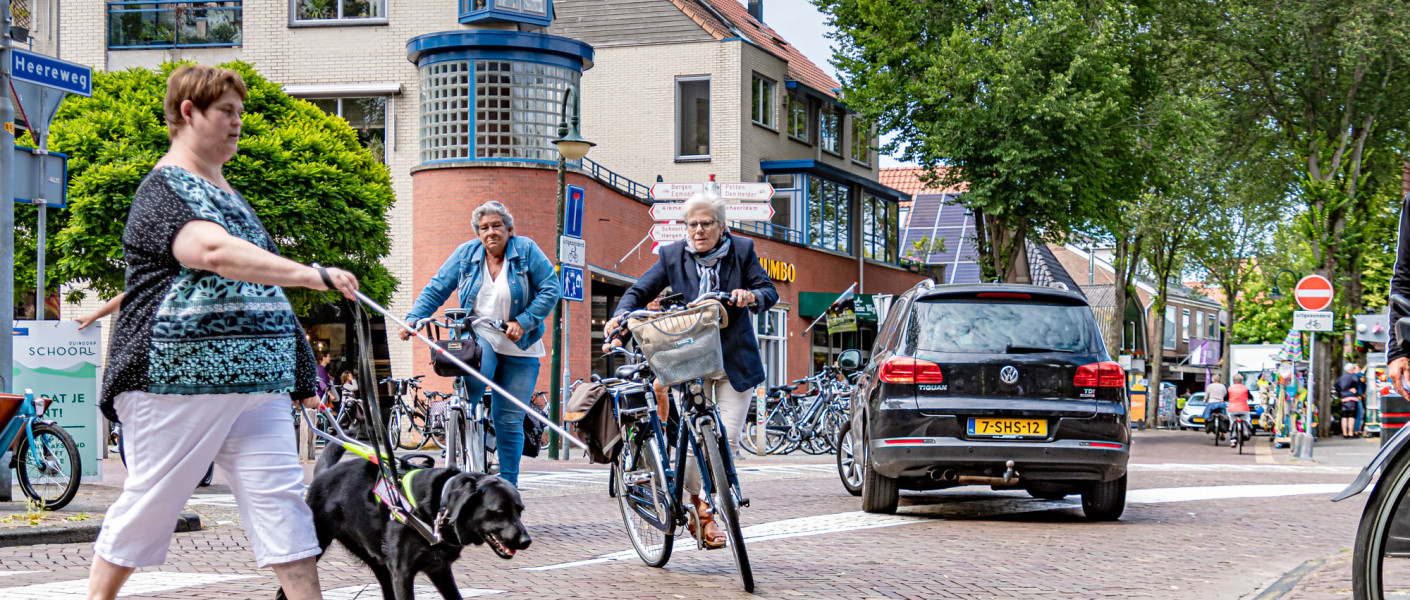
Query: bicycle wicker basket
{"type": "Point", "coordinates": [683, 345]}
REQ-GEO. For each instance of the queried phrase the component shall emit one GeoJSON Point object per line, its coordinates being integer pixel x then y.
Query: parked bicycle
{"type": "Point", "coordinates": [46, 460]}
{"type": "Point", "coordinates": [649, 471]}
{"type": "Point", "coordinates": [468, 425]}
{"type": "Point", "coordinates": [407, 421]}
{"type": "Point", "coordinates": [808, 421]}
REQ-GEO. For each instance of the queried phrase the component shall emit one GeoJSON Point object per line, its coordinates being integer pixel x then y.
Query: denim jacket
{"type": "Point", "coordinates": [534, 289]}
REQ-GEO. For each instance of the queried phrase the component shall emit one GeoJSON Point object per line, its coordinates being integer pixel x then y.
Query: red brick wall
{"type": "Point", "coordinates": [612, 225]}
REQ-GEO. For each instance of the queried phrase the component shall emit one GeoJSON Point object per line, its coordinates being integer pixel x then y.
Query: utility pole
{"type": "Point", "coordinates": [7, 206]}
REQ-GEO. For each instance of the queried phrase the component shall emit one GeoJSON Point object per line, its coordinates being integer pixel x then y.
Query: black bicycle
{"type": "Point", "coordinates": [679, 347]}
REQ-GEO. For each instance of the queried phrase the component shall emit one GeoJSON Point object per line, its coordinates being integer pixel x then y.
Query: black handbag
{"type": "Point", "coordinates": [467, 350]}
{"type": "Point", "coordinates": [533, 436]}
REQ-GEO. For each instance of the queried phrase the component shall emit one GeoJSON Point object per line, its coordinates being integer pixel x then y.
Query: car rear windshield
{"type": "Point", "coordinates": [998, 327]}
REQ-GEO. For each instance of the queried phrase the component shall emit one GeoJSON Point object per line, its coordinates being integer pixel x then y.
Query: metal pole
{"type": "Point", "coordinates": [1307, 441]}
{"type": "Point", "coordinates": [7, 206]}
{"type": "Point", "coordinates": [555, 397]}
{"type": "Point", "coordinates": [566, 371]}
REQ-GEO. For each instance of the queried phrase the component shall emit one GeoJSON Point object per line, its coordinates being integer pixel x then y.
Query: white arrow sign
{"type": "Point", "coordinates": [737, 211]}
{"type": "Point", "coordinates": [676, 191]}
{"type": "Point", "coordinates": [667, 232]}
{"type": "Point", "coordinates": [762, 191]}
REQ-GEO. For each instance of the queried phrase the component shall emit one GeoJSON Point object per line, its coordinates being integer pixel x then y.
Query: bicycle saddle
{"type": "Point", "coordinates": [455, 314]}
{"type": "Point", "coordinates": [782, 388]}
{"type": "Point", "coordinates": [625, 372]}
{"type": "Point", "coordinates": [418, 461]}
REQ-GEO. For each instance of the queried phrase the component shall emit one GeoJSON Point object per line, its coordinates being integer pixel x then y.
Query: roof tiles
{"type": "Point", "coordinates": [800, 69]}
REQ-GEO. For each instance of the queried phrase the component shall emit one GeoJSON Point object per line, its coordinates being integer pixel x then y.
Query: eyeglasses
{"type": "Point", "coordinates": [700, 224]}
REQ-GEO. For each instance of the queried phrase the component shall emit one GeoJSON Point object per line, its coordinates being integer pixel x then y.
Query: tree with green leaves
{"type": "Point", "coordinates": [1028, 103]}
{"type": "Point", "coordinates": [1323, 76]}
{"type": "Point", "coordinates": [320, 193]}
{"type": "Point", "coordinates": [1171, 231]}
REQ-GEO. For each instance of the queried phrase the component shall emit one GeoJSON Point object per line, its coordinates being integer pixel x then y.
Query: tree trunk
{"type": "Point", "coordinates": [1231, 300]}
{"type": "Point", "coordinates": [1116, 327]}
{"type": "Point", "coordinates": [1156, 352]}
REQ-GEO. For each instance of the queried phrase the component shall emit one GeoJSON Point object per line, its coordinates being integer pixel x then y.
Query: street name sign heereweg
{"type": "Point", "coordinates": [51, 72]}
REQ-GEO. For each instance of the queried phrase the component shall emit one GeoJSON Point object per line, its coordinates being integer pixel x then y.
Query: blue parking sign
{"type": "Point", "coordinates": [572, 282]}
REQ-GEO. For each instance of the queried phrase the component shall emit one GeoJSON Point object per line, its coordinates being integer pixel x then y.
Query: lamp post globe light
{"type": "Point", "coordinates": [571, 146]}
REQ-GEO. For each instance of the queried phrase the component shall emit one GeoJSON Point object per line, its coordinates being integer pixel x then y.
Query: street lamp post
{"type": "Point", "coordinates": [571, 146]}
{"type": "Point", "coordinates": [1277, 294]}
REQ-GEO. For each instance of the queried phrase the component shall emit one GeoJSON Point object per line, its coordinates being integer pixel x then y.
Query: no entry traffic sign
{"type": "Point", "coordinates": [1313, 292]}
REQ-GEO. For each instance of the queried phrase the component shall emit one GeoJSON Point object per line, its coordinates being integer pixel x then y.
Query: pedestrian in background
{"type": "Point", "coordinates": [191, 377]}
{"type": "Point", "coordinates": [1347, 388]}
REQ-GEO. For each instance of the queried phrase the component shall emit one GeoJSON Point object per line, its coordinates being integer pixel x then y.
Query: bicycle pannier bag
{"type": "Point", "coordinates": [590, 417]}
{"type": "Point", "coordinates": [684, 345]}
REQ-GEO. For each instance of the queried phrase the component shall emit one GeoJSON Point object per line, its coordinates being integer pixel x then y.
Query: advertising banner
{"type": "Point", "coordinates": [58, 361]}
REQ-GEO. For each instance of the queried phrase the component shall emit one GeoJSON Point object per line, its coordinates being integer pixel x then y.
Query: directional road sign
{"type": "Point", "coordinates": [572, 282]}
{"type": "Point", "coordinates": [51, 72]}
{"type": "Point", "coordinates": [27, 186]}
{"type": "Point", "coordinates": [1309, 320]}
{"type": "Point", "coordinates": [667, 232]}
{"type": "Point", "coordinates": [762, 191]}
{"type": "Point", "coordinates": [676, 191]}
{"type": "Point", "coordinates": [37, 104]}
{"type": "Point", "coordinates": [573, 212]}
{"type": "Point", "coordinates": [1314, 292]}
{"type": "Point", "coordinates": [735, 211]}
{"type": "Point", "coordinates": [572, 251]}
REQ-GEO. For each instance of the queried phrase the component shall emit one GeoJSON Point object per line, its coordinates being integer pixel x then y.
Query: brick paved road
{"type": "Point", "coordinates": [1202, 523]}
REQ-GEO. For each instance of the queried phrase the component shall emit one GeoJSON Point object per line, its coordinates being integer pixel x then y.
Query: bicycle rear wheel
{"type": "Point", "coordinates": [727, 507]}
{"type": "Point", "coordinates": [775, 433]}
{"type": "Point", "coordinates": [1239, 435]}
{"type": "Point", "coordinates": [644, 498]}
{"type": "Point", "coordinates": [394, 424]}
{"type": "Point", "coordinates": [1380, 565]}
{"type": "Point", "coordinates": [49, 471]}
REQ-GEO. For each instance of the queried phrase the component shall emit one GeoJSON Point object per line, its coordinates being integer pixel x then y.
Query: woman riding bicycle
{"type": "Point", "coordinates": [712, 260]}
{"type": "Point", "coordinates": [506, 277]}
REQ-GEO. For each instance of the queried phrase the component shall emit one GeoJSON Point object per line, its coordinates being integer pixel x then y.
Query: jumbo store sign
{"type": "Point", "coordinates": [779, 271]}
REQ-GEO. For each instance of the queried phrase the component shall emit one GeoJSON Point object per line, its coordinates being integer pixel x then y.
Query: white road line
{"type": "Point", "coordinates": [1002, 503]}
{"type": "Point", "coordinates": [373, 591]}
{"type": "Point", "coordinates": [227, 500]}
{"type": "Point", "coordinates": [9, 573]}
{"type": "Point", "coordinates": [1223, 468]}
{"type": "Point", "coordinates": [140, 584]}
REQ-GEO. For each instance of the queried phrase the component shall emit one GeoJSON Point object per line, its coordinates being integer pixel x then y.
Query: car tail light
{"type": "Point", "coordinates": [1101, 374]}
{"type": "Point", "coordinates": [904, 369]}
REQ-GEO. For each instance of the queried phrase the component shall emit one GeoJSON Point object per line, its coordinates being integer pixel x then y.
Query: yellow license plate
{"type": "Point", "coordinates": [1009, 427]}
{"type": "Point", "coordinates": [1197, 419]}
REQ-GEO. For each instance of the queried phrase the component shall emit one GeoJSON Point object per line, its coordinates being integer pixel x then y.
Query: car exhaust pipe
{"type": "Point", "coordinates": [943, 475]}
{"type": "Point", "coordinates": [1010, 477]}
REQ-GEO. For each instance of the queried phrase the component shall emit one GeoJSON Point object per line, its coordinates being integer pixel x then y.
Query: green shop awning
{"type": "Point", "coordinates": [812, 304]}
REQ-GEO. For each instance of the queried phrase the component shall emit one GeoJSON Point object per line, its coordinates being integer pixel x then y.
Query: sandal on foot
{"type": "Point", "coordinates": [709, 540]}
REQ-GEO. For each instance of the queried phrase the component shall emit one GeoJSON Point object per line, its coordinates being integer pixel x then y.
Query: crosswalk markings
{"type": "Point", "coordinates": [140, 584]}
{"type": "Point", "coordinates": [373, 591]}
{"type": "Point", "coordinates": [1225, 468]}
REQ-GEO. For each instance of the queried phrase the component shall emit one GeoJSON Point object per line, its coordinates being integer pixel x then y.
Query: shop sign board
{"type": "Point", "coordinates": [59, 361]}
{"type": "Point", "coordinates": [777, 270]}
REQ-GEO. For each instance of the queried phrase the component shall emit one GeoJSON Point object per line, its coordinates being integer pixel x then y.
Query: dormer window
{"type": "Point", "coordinates": [533, 12]}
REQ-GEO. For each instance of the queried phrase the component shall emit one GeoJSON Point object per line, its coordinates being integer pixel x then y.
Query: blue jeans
{"type": "Point", "coordinates": [517, 375]}
{"type": "Point", "coordinates": [1211, 407]}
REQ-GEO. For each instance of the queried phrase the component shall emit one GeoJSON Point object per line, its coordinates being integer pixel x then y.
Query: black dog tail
{"type": "Point", "coordinates": [332, 453]}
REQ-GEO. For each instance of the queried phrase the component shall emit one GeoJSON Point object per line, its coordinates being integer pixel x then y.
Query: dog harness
{"type": "Point", "coordinates": [401, 505]}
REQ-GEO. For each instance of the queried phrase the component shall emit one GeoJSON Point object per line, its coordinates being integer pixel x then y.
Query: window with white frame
{"type": "Point", "coordinates": [1199, 324]}
{"type": "Point", "coordinates": [1169, 328]}
{"type": "Point", "coordinates": [763, 103]}
{"type": "Point", "coordinates": [1185, 324]}
{"type": "Point", "coordinates": [368, 116]}
{"type": "Point", "coordinates": [830, 130]}
{"type": "Point", "coordinates": [338, 10]}
{"type": "Point", "coordinates": [1213, 324]}
{"type": "Point", "coordinates": [771, 328]}
{"type": "Point", "coordinates": [798, 118]}
{"type": "Point", "coordinates": [693, 117]}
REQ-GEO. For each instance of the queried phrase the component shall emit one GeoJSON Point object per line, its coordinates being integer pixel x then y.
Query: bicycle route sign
{"type": "Point", "coordinates": [1312, 320]}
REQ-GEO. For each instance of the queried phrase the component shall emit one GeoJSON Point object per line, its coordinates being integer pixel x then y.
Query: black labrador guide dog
{"type": "Point", "coordinates": [468, 508]}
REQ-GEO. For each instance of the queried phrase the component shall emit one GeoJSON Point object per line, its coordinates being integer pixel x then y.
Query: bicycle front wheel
{"type": "Point", "coordinates": [727, 508]}
{"type": "Point", "coordinates": [455, 440]}
{"type": "Point", "coordinates": [394, 424]}
{"type": "Point", "coordinates": [48, 472]}
{"type": "Point", "coordinates": [1380, 565]}
{"type": "Point", "coordinates": [644, 498]}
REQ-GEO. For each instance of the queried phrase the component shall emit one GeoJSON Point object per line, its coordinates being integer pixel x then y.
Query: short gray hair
{"type": "Point", "coordinates": [492, 208]}
{"type": "Point", "coordinates": [707, 201]}
{"type": "Point", "coordinates": [1348, 367]}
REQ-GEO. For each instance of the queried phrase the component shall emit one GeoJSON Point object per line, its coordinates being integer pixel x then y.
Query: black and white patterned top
{"type": "Point", "coordinates": [188, 332]}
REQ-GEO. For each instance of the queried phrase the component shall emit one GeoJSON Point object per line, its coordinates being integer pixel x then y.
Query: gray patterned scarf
{"type": "Point", "coordinates": [708, 266]}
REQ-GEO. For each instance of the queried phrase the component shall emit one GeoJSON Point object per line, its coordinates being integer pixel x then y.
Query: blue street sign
{"type": "Point", "coordinates": [573, 213]}
{"type": "Point", "coordinates": [572, 282]}
{"type": "Point", "coordinates": [51, 72]}
{"type": "Point", "coordinates": [28, 187]}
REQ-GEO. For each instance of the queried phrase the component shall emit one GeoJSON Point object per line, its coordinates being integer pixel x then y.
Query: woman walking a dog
{"type": "Point", "coordinates": [712, 260]}
{"type": "Point", "coordinates": [206, 352]}
{"type": "Point", "coordinates": [502, 276]}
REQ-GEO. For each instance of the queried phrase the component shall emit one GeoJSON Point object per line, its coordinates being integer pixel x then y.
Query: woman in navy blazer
{"type": "Point", "coordinates": [712, 260]}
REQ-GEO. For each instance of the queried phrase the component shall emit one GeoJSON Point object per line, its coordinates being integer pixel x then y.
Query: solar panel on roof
{"type": "Point", "coordinates": [940, 215]}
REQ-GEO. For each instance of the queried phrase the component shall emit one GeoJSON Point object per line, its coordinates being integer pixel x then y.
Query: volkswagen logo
{"type": "Point", "coordinates": [1008, 374]}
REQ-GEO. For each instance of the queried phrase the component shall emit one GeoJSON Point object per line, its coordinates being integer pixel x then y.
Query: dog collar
{"type": "Point", "coordinates": [443, 515]}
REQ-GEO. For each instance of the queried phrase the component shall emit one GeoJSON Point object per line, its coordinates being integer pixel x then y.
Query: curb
{"type": "Point", "coordinates": [83, 534]}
